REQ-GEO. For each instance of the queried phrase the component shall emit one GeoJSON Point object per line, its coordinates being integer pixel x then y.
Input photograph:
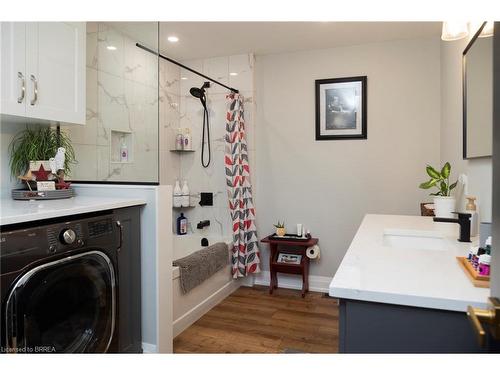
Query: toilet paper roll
{"type": "Point", "coordinates": [313, 252]}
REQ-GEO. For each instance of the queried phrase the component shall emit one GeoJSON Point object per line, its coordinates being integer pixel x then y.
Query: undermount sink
{"type": "Point", "coordinates": [413, 240]}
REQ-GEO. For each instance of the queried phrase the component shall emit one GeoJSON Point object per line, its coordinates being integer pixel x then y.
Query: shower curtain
{"type": "Point", "coordinates": [246, 256]}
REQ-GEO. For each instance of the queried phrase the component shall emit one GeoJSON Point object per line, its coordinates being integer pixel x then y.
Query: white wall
{"type": "Point", "coordinates": [330, 185]}
{"type": "Point", "coordinates": [479, 171]}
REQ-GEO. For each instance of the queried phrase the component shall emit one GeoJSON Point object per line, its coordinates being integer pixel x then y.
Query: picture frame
{"type": "Point", "coordinates": [341, 108]}
{"type": "Point", "coordinates": [289, 258]}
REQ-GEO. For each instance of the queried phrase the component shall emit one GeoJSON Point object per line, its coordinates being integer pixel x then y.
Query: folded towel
{"type": "Point", "coordinates": [200, 265]}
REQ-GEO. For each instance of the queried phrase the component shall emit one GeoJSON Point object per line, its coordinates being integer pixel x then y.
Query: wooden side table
{"type": "Point", "coordinates": [292, 247]}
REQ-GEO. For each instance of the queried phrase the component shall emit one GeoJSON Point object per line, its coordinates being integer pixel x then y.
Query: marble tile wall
{"type": "Point", "coordinates": [182, 110]}
{"type": "Point", "coordinates": [122, 96]}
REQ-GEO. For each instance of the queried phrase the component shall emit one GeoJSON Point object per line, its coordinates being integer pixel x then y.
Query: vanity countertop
{"type": "Point", "coordinates": [17, 211]}
{"type": "Point", "coordinates": [374, 271]}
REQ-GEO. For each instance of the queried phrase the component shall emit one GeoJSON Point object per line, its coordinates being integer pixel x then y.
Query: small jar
{"type": "Point", "coordinates": [474, 260]}
{"type": "Point", "coordinates": [473, 250]}
{"type": "Point", "coordinates": [484, 265]}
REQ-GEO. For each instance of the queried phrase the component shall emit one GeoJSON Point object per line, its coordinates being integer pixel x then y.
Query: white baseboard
{"type": "Point", "coordinates": [316, 283]}
{"type": "Point", "coordinates": [148, 348]}
{"type": "Point", "coordinates": [183, 322]}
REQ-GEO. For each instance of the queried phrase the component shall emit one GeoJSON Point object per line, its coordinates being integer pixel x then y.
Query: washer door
{"type": "Point", "coordinates": [65, 306]}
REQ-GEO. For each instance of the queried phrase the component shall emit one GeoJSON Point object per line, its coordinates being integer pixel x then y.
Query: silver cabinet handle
{"type": "Point", "coordinates": [120, 227]}
{"type": "Point", "coordinates": [35, 90]}
{"type": "Point", "coordinates": [23, 87]}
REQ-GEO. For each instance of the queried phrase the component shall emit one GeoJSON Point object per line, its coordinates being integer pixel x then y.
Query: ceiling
{"type": "Point", "coordinates": [210, 39]}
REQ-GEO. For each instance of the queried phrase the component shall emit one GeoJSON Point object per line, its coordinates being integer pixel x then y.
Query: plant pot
{"type": "Point", "coordinates": [280, 232]}
{"type": "Point", "coordinates": [444, 206]}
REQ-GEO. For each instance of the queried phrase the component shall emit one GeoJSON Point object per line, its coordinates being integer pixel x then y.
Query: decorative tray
{"type": "Point", "coordinates": [288, 237]}
{"type": "Point", "coordinates": [22, 194]}
{"type": "Point", "coordinates": [477, 280]}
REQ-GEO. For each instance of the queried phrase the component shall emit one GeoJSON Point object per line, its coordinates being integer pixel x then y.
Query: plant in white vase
{"type": "Point", "coordinates": [444, 203]}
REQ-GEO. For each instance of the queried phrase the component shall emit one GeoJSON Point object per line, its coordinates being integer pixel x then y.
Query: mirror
{"type": "Point", "coordinates": [477, 66]}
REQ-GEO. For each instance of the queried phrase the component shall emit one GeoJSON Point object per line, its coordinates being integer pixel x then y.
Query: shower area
{"type": "Point", "coordinates": [193, 91]}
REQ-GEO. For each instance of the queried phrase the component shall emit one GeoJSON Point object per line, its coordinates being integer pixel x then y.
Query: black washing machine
{"type": "Point", "coordinates": [60, 285]}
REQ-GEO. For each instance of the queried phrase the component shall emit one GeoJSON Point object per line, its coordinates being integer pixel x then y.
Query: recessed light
{"type": "Point", "coordinates": [111, 48]}
{"type": "Point", "coordinates": [233, 74]}
{"type": "Point", "coordinates": [184, 78]}
{"type": "Point", "coordinates": [173, 39]}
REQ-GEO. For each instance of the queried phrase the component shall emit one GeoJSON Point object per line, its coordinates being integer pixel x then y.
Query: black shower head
{"type": "Point", "coordinates": [196, 92]}
{"type": "Point", "coordinates": [199, 92]}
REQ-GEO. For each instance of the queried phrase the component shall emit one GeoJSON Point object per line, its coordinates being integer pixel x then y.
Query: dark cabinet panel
{"type": "Point", "coordinates": [129, 280]}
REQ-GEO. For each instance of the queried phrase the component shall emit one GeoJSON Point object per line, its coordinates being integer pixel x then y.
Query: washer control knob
{"type": "Point", "coordinates": [52, 249]}
{"type": "Point", "coordinates": [68, 236]}
{"type": "Point", "coordinates": [80, 242]}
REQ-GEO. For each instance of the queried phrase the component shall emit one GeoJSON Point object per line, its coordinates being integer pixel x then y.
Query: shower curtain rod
{"type": "Point", "coordinates": [185, 67]}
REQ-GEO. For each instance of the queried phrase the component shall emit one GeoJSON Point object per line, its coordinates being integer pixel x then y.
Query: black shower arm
{"type": "Point", "coordinates": [185, 67]}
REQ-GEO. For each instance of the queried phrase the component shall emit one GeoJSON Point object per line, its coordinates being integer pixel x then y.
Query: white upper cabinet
{"type": "Point", "coordinates": [13, 69]}
{"type": "Point", "coordinates": [48, 60]}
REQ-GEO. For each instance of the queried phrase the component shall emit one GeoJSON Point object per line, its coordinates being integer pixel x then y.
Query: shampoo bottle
{"type": "Point", "coordinates": [471, 208]}
{"type": "Point", "coordinates": [177, 194]}
{"type": "Point", "coordinates": [179, 140]}
{"type": "Point", "coordinates": [185, 195]}
{"type": "Point", "coordinates": [181, 225]}
{"type": "Point", "coordinates": [187, 139]}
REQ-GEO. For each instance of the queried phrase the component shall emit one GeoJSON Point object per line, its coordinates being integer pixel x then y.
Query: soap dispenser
{"type": "Point", "coordinates": [185, 195]}
{"type": "Point", "coordinates": [177, 194]}
{"type": "Point", "coordinates": [471, 209]}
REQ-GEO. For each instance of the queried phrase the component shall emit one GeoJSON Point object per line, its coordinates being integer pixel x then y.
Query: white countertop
{"type": "Point", "coordinates": [17, 211]}
{"type": "Point", "coordinates": [372, 271]}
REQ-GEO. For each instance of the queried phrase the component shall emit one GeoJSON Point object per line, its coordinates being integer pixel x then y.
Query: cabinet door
{"type": "Point", "coordinates": [13, 68]}
{"type": "Point", "coordinates": [129, 281]}
{"type": "Point", "coordinates": [55, 64]}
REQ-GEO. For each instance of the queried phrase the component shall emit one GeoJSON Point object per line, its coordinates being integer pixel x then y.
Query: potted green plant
{"type": "Point", "coordinates": [280, 229]}
{"type": "Point", "coordinates": [38, 145]}
{"type": "Point", "coordinates": [444, 203]}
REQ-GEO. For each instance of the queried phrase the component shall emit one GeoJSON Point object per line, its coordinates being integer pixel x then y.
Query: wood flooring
{"type": "Point", "coordinates": [252, 321]}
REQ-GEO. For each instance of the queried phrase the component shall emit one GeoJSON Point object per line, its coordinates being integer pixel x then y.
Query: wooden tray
{"type": "Point", "coordinates": [478, 280]}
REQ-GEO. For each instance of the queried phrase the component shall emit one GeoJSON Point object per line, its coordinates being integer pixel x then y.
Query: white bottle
{"type": "Point", "coordinates": [179, 140]}
{"type": "Point", "coordinates": [471, 209]}
{"type": "Point", "coordinates": [185, 195]}
{"type": "Point", "coordinates": [177, 194]}
{"type": "Point", "coordinates": [123, 151]}
{"type": "Point", "coordinates": [187, 139]}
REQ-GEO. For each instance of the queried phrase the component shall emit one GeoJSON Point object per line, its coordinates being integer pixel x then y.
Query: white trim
{"type": "Point", "coordinates": [316, 283]}
{"type": "Point", "coordinates": [191, 316]}
{"type": "Point", "coordinates": [148, 348]}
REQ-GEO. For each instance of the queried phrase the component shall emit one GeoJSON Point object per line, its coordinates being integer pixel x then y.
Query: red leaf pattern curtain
{"type": "Point", "coordinates": [246, 256]}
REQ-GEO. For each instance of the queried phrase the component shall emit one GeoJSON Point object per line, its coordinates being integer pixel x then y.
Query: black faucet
{"type": "Point", "coordinates": [202, 224]}
{"type": "Point", "coordinates": [464, 222]}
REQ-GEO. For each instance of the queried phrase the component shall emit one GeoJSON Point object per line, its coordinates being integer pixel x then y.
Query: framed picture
{"type": "Point", "coordinates": [289, 258]}
{"type": "Point", "coordinates": [341, 108]}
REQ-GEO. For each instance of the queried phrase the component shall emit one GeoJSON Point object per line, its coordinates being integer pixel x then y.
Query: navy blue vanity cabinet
{"type": "Point", "coordinates": [370, 327]}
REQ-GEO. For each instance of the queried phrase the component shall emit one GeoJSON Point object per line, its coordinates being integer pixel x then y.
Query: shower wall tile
{"type": "Point", "coordinates": [112, 60]}
{"type": "Point", "coordinates": [217, 68]}
{"type": "Point", "coordinates": [169, 90]}
{"type": "Point", "coordinates": [243, 66]}
{"type": "Point", "coordinates": [92, 34]}
{"type": "Point", "coordinates": [170, 77]}
{"type": "Point", "coordinates": [189, 79]}
{"type": "Point", "coordinates": [86, 167]}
